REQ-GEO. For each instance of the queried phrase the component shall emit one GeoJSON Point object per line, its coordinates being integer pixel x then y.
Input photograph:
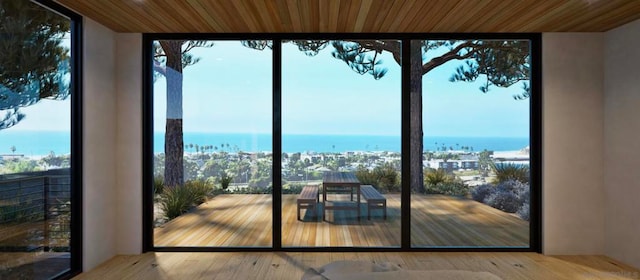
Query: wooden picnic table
{"type": "Point", "coordinates": [340, 182]}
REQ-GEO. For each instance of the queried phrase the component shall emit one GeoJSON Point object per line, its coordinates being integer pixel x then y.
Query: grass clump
{"type": "Point", "coordinates": [178, 200]}
{"type": "Point", "coordinates": [158, 184]}
{"type": "Point", "coordinates": [510, 172]}
{"type": "Point", "coordinates": [438, 181]}
{"type": "Point", "coordinates": [384, 177]}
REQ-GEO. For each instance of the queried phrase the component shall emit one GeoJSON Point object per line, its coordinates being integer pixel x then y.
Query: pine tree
{"type": "Point", "coordinates": [170, 58]}
{"type": "Point", "coordinates": [34, 64]}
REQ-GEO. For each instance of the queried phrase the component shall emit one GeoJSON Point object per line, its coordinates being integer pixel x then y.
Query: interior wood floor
{"type": "Point", "coordinates": [436, 221]}
{"type": "Point", "coordinates": [285, 265]}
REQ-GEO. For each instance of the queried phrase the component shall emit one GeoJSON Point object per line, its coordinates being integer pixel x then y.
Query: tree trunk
{"type": "Point", "coordinates": [415, 110]}
{"type": "Point", "coordinates": [173, 142]}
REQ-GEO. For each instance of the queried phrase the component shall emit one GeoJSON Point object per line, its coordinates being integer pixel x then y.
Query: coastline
{"type": "Point", "coordinates": [30, 143]}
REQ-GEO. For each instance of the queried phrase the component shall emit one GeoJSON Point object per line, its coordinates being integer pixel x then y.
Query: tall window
{"type": "Point", "coordinates": [476, 146]}
{"type": "Point", "coordinates": [314, 143]}
{"type": "Point", "coordinates": [212, 144]}
{"type": "Point", "coordinates": [341, 118]}
{"type": "Point", "coordinates": [36, 96]}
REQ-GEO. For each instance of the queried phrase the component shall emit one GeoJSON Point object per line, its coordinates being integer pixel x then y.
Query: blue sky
{"type": "Point", "coordinates": [229, 90]}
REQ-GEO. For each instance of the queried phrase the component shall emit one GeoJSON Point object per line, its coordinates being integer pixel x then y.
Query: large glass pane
{"type": "Point", "coordinates": [475, 119]}
{"type": "Point", "coordinates": [341, 131]}
{"type": "Point", "coordinates": [213, 143]}
{"type": "Point", "coordinates": [35, 141]}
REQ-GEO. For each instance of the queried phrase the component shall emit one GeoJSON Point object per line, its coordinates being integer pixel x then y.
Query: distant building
{"type": "Point", "coordinates": [453, 165]}
{"type": "Point", "coordinates": [11, 156]}
{"type": "Point", "coordinates": [513, 157]}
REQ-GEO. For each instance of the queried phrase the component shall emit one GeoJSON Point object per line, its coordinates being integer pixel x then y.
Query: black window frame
{"type": "Point", "coordinates": [76, 63]}
{"type": "Point", "coordinates": [535, 136]}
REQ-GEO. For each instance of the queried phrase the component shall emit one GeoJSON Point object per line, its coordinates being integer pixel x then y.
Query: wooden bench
{"type": "Point", "coordinates": [308, 199]}
{"type": "Point", "coordinates": [374, 200]}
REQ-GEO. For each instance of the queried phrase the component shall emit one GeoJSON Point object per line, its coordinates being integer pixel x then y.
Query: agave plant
{"type": "Point", "coordinates": [510, 171]}
{"type": "Point", "coordinates": [225, 180]}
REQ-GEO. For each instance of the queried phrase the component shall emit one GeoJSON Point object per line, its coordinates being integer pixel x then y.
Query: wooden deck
{"type": "Point", "coordinates": [21, 255]}
{"type": "Point", "coordinates": [246, 221]}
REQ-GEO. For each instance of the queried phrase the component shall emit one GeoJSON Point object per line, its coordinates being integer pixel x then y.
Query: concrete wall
{"type": "Point", "coordinates": [573, 140]}
{"type": "Point", "coordinates": [622, 143]}
{"type": "Point", "coordinates": [99, 170]}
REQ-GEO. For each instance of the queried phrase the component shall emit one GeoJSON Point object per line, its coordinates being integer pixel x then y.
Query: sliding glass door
{"type": "Point", "coordinates": [212, 144]}
{"type": "Point", "coordinates": [40, 142]}
{"type": "Point", "coordinates": [345, 119]}
{"type": "Point", "coordinates": [330, 142]}
{"type": "Point", "coordinates": [476, 145]}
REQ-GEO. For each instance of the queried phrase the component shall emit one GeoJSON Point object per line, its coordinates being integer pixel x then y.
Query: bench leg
{"type": "Point", "coordinates": [315, 211]}
{"type": "Point", "coordinates": [324, 209]}
{"type": "Point", "coordinates": [384, 204]}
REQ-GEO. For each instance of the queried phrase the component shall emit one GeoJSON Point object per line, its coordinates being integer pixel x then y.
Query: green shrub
{"type": "Point", "coordinates": [292, 188]}
{"type": "Point", "coordinates": [388, 178]}
{"type": "Point", "coordinates": [175, 201]}
{"type": "Point", "coordinates": [158, 184]}
{"type": "Point", "coordinates": [511, 171]}
{"type": "Point", "coordinates": [455, 188]}
{"type": "Point", "coordinates": [433, 177]}
{"type": "Point", "coordinates": [225, 180]}
{"type": "Point", "coordinates": [384, 177]}
{"type": "Point", "coordinates": [438, 181]}
{"type": "Point", "coordinates": [365, 176]}
{"type": "Point", "coordinates": [200, 190]}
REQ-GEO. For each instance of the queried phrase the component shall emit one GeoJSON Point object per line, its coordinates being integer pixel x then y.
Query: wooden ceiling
{"type": "Point", "coordinates": [357, 16]}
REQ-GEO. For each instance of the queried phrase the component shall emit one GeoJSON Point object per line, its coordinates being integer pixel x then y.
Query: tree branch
{"type": "Point", "coordinates": [451, 55]}
{"type": "Point", "coordinates": [392, 46]}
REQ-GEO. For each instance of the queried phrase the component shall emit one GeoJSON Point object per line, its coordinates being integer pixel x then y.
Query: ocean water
{"type": "Point", "coordinates": [338, 143]}
{"type": "Point", "coordinates": [42, 143]}
{"type": "Point", "coordinates": [32, 143]}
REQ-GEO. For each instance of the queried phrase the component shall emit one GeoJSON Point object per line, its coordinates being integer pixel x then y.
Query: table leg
{"type": "Point", "coordinates": [358, 203]}
{"type": "Point", "coordinates": [324, 202]}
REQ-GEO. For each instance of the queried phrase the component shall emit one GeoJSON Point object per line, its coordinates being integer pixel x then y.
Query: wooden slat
{"type": "Point", "coordinates": [437, 220]}
{"type": "Point", "coordinates": [395, 16]}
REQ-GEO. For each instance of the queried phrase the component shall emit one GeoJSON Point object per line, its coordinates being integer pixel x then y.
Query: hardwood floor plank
{"type": "Point", "coordinates": [280, 265]}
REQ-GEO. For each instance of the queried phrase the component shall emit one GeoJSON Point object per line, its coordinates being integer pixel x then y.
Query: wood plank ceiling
{"type": "Point", "coordinates": [357, 16]}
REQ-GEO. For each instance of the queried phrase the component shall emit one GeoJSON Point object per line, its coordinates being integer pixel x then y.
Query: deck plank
{"type": "Point", "coordinates": [436, 221]}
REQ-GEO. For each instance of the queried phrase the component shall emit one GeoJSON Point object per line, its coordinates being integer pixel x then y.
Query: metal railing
{"type": "Point", "coordinates": [35, 211]}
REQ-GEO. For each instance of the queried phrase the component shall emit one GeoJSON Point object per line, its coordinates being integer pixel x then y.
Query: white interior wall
{"type": "Point", "coordinates": [573, 139]}
{"type": "Point", "coordinates": [129, 141]}
{"type": "Point", "coordinates": [622, 143]}
{"type": "Point", "coordinates": [99, 135]}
